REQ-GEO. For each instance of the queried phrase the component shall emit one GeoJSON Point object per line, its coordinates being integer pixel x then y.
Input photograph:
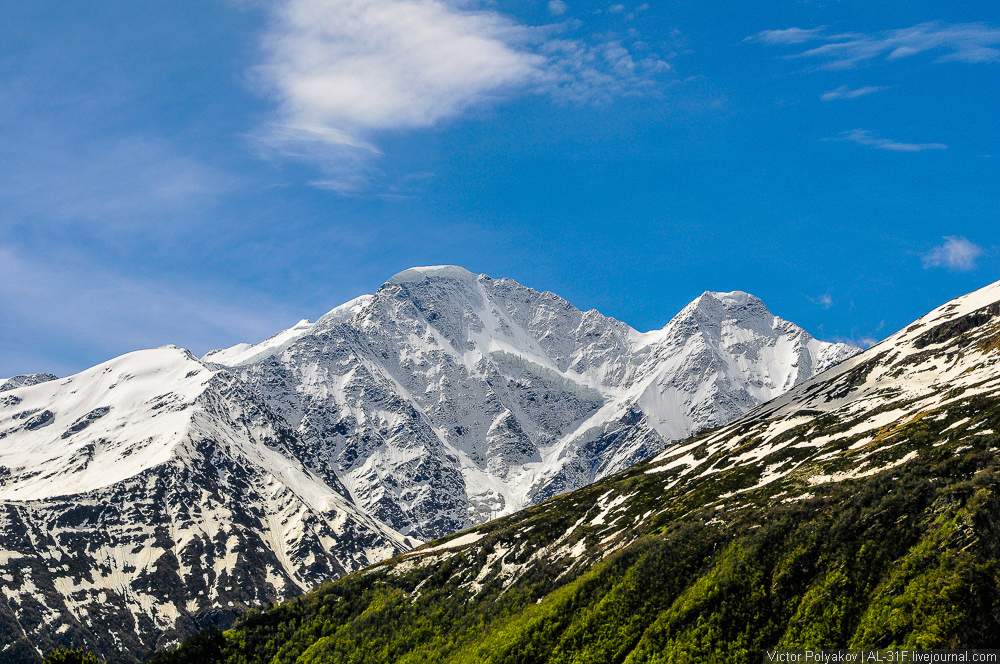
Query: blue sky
{"type": "Point", "coordinates": [203, 173]}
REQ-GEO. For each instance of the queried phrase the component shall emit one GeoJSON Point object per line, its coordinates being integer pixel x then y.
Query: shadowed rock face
{"type": "Point", "coordinates": [161, 493]}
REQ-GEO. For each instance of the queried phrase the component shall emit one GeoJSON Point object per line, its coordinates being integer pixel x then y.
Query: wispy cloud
{"type": "Point", "coordinates": [123, 184]}
{"type": "Point", "coordinates": [787, 36]}
{"type": "Point", "coordinates": [48, 300]}
{"type": "Point", "coordinates": [345, 71]}
{"type": "Point", "coordinates": [958, 42]}
{"type": "Point", "coordinates": [844, 92]}
{"type": "Point", "coordinates": [956, 253]}
{"type": "Point", "coordinates": [865, 137]}
{"type": "Point", "coordinates": [825, 300]}
{"type": "Point", "coordinates": [557, 7]}
{"type": "Point", "coordinates": [857, 339]}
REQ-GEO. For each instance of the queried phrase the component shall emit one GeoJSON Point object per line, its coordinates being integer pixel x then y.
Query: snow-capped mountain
{"type": "Point", "coordinates": [159, 491]}
{"type": "Point", "coordinates": [849, 417]}
{"type": "Point", "coordinates": [155, 493]}
{"type": "Point", "coordinates": [448, 398]}
{"type": "Point", "coordinates": [858, 510]}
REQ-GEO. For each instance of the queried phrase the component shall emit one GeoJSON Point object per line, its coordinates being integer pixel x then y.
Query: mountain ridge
{"type": "Point", "coordinates": [858, 510]}
{"type": "Point", "coordinates": [476, 329]}
{"type": "Point", "coordinates": [167, 492]}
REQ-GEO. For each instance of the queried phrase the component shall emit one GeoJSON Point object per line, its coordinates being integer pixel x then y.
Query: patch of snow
{"type": "Point", "coordinates": [607, 507]}
{"type": "Point", "coordinates": [795, 499]}
{"type": "Point", "coordinates": [956, 424]}
{"type": "Point", "coordinates": [463, 540]}
{"type": "Point", "coordinates": [858, 473]}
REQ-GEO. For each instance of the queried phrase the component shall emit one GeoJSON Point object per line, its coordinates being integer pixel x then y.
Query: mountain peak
{"type": "Point", "coordinates": [416, 274]}
{"type": "Point", "coordinates": [890, 460]}
{"type": "Point", "coordinates": [734, 298]}
{"type": "Point", "coordinates": [731, 304]}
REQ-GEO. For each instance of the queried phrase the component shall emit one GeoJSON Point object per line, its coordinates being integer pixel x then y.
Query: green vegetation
{"type": "Point", "coordinates": [714, 569]}
{"type": "Point", "coordinates": [71, 657]}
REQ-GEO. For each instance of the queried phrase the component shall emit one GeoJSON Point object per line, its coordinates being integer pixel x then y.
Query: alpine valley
{"type": "Point", "coordinates": [858, 510]}
{"type": "Point", "coordinates": [158, 494]}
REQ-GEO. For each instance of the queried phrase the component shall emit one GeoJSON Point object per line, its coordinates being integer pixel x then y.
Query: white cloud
{"type": "Point", "coordinates": [344, 65]}
{"type": "Point", "coordinates": [844, 92]}
{"type": "Point", "coordinates": [959, 42]}
{"type": "Point", "coordinates": [344, 71]}
{"type": "Point", "coordinates": [616, 9]}
{"type": "Point", "coordinates": [557, 7]}
{"type": "Point", "coordinates": [787, 36]}
{"type": "Point", "coordinates": [865, 137]}
{"type": "Point", "coordinates": [956, 253]}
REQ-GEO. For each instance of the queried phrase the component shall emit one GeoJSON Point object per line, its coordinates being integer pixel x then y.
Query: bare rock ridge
{"type": "Point", "coordinates": [161, 492]}
{"type": "Point", "coordinates": [25, 380]}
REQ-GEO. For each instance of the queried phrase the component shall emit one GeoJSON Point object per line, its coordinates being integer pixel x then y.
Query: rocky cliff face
{"type": "Point", "coordinates": [25, 380]}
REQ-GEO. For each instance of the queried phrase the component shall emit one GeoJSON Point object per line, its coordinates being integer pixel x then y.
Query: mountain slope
{"type": "Point", "coordinates": [448, 398]}
{"type": "Point", "coordinates": [162, 493]}
{"type": "Point", "coordinates": [158, 495]}
{"type": "Point", "coordinates": [858, 510]}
